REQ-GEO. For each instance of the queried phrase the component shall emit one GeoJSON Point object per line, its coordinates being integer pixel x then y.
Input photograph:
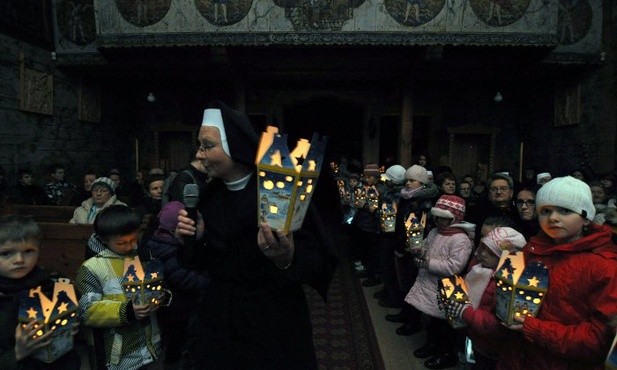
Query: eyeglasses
{"type": "Point", "coordinates": [495, 189]}
{"type": "Point", "coordinates": [207, 147]}
{"type": "Point", "coordinates": [528, 203]}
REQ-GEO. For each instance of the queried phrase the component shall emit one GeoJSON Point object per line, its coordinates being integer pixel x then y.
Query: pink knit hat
{"type": "Point", "coordinates": [449, 206]}
{"type": "Point", "coordinates": [504, 238]}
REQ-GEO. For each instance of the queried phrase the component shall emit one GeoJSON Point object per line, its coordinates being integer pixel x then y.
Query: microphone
{"type": "Point", "coordinates": [190, 198]}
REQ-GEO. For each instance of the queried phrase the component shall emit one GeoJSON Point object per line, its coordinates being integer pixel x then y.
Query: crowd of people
{"type": "Point", "coordinates": [565, 222]}
{"type": "Point", "coordinates": [234, 287]}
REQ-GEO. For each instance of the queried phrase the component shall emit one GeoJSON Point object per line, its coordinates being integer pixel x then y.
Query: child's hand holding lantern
{"type": "Point", "coordinates": [27, 340]}
{"type": "Point", "coordinates": [141, 311]}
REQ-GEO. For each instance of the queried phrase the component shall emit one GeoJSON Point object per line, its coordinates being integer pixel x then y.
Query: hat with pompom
{"type": "Point", "coordinates": [106, 182]}
{"type": "Point", "coordinates": [449, 206]}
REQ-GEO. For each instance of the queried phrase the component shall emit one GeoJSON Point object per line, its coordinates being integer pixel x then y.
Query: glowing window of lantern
{"type": "Point", "coordinates": [528, 298]}
{"type": "Point", "coordinates": [39, 333]}
{"type": "Point", "coordinates": [509, 288]}
{"type": "Point", "coordinates": [262, 173]}
{"type": "Point", "coordinates": [64, 322]}
{"type": "Point", "coordinates": [521, 292]}
{"type": "Point", "coordinates": [53, 327]}
{"type": "Point", "coordinates": [280, 184]}
{"type": "Point", "coordinates": [536, 300]}
{"type": "Point", "coordinates": [302, 197]}
{"type": "Point", "coordinates": [312, 165]}
{"type": "Point", "coordinates": [57, 321]}
{"type": "Point", "coordinates": [299, 183]}
{"type": "Point", "coordinates": [274, 208]}
{"type": "Point", "coordinates": [540, 294]}
{"type": "Point", "coordinates": [310, 181]}
{"type": "Point", "coordinates": [268, 184]}
{"type": "Point", "coordinates": [158, 287]}
{"type": "Point", "coordinates": [289, 178]}
{"type": "Point", "coordinates": [309, 188]}
{"type": "Point", "coordinates": [148, 286]}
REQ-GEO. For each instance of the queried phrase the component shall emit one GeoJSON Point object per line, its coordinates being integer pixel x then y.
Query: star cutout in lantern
{"type": "Point", "coordinates": [533, 281]}
{"type": "Point", "coordinates": [299, 160]}
{"type": "Point", "coordinates": [505, 273]}
{"type": "Point", "coordinates": [62, 308]}
{"type": "Point", "coordinates": [31, 313]}
{"type": "Point", "coordinates": [447, 288]}
{"type": "Point", "coordinates": [276, 159]}
{"type": "Point", "coordinates": [459, 296]}
{"type": "Point", "coordinates": [154, 275]}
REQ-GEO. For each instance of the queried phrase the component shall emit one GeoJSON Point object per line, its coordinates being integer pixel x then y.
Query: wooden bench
{"type": "Point", "coordinates": [41, 213]}
{"type": "Point", "coordinates": [64, 247]}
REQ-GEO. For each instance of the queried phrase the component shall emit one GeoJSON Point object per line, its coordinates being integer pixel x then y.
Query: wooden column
{"type": "Point", "coordinates": [406, 131]}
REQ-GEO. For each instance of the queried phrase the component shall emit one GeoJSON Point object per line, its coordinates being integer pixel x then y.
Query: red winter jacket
{"type": "Point", "coordinates": [571, 330]}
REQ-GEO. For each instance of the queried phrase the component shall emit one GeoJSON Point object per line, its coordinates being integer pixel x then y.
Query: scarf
{"type": "Point", "coordinates": [409, 193]}
{"type": "Point", "coordinates": [477, 280]}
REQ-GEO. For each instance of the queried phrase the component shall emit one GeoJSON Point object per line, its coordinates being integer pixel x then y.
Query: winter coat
{"type": "Point", "coordinates": [126, 343]}
{"type": "Point", "coordinates": [80, 216]}
{"type": "Point", "coordinates": [448, 255]}
{"type": "Point", "coordinates": [571, 330]}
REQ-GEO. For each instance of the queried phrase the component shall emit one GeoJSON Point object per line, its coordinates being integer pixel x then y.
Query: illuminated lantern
{"type": "Point", "coordinates": [520, 287]}
{"type": "Point", "coordinates": [286, 180]}
{"type": "Point", "coordinates": [387, 217]}
{"type": "Point", "coordinates": [414, 229]}
{"type": "Point", "coordinates": [453, 289]}
{"type": "Point", "coordinates": [56, 315]}
{"type": "Point", "coordinates": [143, 285]}
{"type": "Point", "coordinates": [372, 197]}
{"type": "Point", "coordinates": [359, 197]}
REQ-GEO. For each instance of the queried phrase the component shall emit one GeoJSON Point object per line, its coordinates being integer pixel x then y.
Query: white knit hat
{"type": "Point", "coordinates": [504, 238]}
{"type": "Point", "coordinates": [541, 176]}
{"type": "Point", "coordinates": [395, 173]}
{"type": "Point", "coordinates": [416, 172]}
{"type": "Point", "coordinates": [105, 181]}
{"type": "Point", "coordinates": [569, 193]}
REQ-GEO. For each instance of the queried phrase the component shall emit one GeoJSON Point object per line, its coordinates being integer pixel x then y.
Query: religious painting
{"type": "Point", "coordinates": [499, 13]}
{"type": "Point", "coordinates": [414, 13]}
{"type": "Point", "coordinates": [574, 20]}
{"type": "Point", "coordinates": [36, 93]}
{"type": "Point", "coordinates": [568, 106]}
{"type": "Point", "coordinates": [323, 15]}
{"type": "Point", "coordinates": [76, 21]}
{"type": "Point", "coordinates": [223, 12]}
{"type": "Point", "coordinates": [89, 104]}
{"type": "Point", "coordinates": [143, 13]}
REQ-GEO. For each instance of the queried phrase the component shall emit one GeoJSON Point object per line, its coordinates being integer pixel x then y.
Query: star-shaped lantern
{"type": "Point", "coordinates": [286, 179]}
{"type": "Point", "coordinates": [55, 314]}
{"type": "Point", "coordinates": [143, 283]}
{"type": "Point", "coordinates": [521, 287]}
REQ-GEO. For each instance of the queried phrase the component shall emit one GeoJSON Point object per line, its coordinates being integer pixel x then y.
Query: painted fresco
{"type": "Point", "coordinates": [75, 25]}
{"type": "Point", "coordinates": [223, 12]}
{"type": "Point", "coordinates": [143, 13]}
{"type": "Point", "coordinates": [414, 12]}
{"type": "Point", "coordinates": [329, 15]}
{"type": "Point", "coordinates": [499, 13]}
{"type": "Point", "coordinates": [574, 20]}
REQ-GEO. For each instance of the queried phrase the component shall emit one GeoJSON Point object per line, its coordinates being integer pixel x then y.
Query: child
{"type": "Point", "coordinates": [481, 291]}
{"type": "Point", "coordinates": [20, 240]}
{"type": "Point", "coordinates": [572, 327]}
{"type": "Point", "coordinates": [447, 250]}
{"type": "Point", "coordinates": [124, 334]}
{"type": "Point", "coordinates": [185, 284]}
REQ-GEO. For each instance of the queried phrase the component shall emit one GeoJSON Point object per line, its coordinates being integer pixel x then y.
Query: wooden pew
{"type": "Point", "coordinates": [41, 213]}
{"type": "Point", "coordinates": [64, 247]}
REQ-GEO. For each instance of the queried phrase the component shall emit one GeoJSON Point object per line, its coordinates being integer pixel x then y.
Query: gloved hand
{"type": "Point", "coordinates": [454, 310]}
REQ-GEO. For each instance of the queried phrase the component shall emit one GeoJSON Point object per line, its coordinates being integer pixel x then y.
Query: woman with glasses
{"type": "Point", "coordinates": [526, 207]}
{"type": "Point", "coordinates": [103, 196]}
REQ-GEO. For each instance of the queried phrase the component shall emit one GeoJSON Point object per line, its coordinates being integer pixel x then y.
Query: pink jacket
{"type": "Point", "coordinates": [448, 255]}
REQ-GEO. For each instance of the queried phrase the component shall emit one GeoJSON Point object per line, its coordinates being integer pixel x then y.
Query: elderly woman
{"type": "Point", "coordinates": [103, 196]}
{"type": "Point", "coordinates": [253, 314]}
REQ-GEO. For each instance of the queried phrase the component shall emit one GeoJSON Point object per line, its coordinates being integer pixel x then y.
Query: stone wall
{"type": "Point", "coordinates": [35, 141]}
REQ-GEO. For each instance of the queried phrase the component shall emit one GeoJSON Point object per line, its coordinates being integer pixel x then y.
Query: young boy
{"type": "Point", "coordinates": [124, 334]}
{"type": "Point", "coordinates": [571, 330]}
{"type": "Point", "coordinates": [20, 240]}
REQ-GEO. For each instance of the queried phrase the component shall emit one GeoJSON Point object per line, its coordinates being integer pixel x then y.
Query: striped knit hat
{"type": "Point", "coordinates": [449, 206]}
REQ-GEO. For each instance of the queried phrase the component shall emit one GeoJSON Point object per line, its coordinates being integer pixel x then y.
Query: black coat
{"type": "Point", "coordinates": [254, 315]}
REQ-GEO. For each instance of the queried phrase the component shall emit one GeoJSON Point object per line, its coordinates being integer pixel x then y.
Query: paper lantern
{"type": "Point", "coordinates": [359, 197]}
{"type": "Point", "coordinates": [520, 287]}
{"type": "Point", "coordinates": [387, 217]}
{"type": "Point", "coordinates": [286, 180]}
{"type": "Point", "coordinates": [143, 285]}
{"type": "Point", "coordinates": [453, 289]}
{"type": "Point", "coordinates": [56, 314]}
{"type": "Point", "coordinates": [372, 197]}
{"type": "Point", "coordinates": [414, 229]}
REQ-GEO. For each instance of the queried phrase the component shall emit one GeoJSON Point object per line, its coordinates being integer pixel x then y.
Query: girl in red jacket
{"type": "Point", "coordinates": [571, 330]}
